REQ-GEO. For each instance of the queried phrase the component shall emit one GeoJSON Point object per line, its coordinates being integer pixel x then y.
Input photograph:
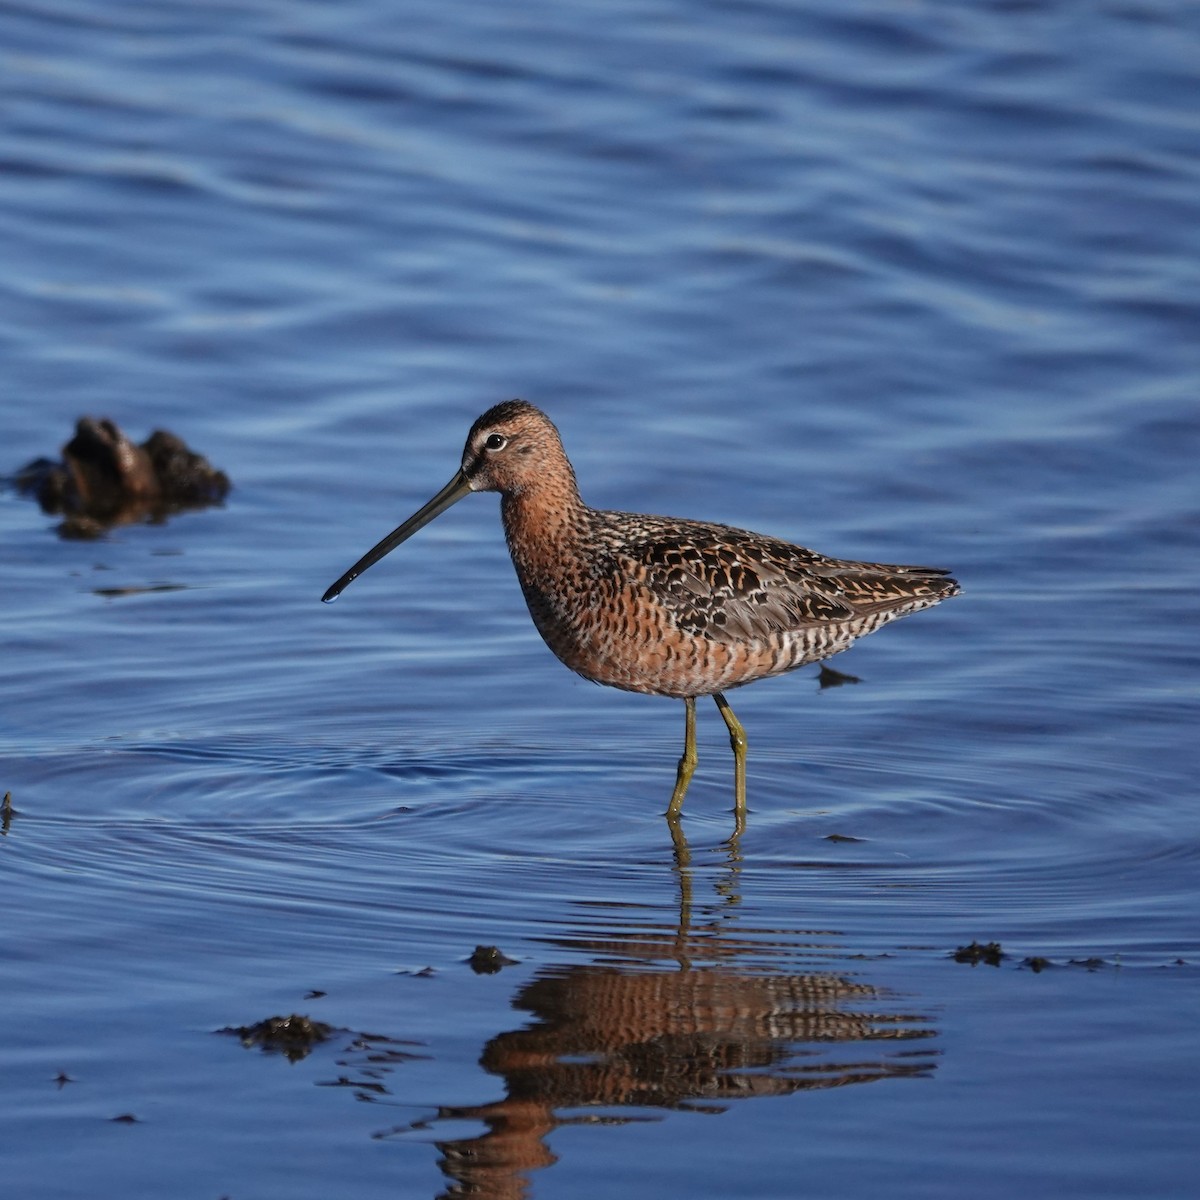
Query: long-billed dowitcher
{"type": "Point", "coordinates": [655, 604]}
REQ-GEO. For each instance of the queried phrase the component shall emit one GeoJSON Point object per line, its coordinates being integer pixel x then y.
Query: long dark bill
{"type": "Point", "coordinates": [454, 491]}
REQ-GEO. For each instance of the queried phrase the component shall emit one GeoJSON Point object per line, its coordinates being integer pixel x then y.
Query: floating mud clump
{"type": "Point", "coordinates": [293, 1037]}
{"type": "Point", "coordinates": [104, 479]}
{"type": "Point", "coordinates": [992, 953]}
{"type": "Point", "coordinates": [488, 960]}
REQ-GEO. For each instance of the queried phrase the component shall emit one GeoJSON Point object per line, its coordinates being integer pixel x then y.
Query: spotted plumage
{"type": "Point", "coordinates": [656, 604]}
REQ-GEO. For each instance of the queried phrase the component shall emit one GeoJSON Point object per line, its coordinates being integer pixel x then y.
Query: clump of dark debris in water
{"type": "Point", "coordinates": [828, 677]}
{"type": "Point", "coordinates": [294, 1036]}
{"type": "Point", "coordinates": [488, 960]}
{"type": "Point", "coordinates": [105, 480]}
{"type": "Point", "coordinates": [990, 953]}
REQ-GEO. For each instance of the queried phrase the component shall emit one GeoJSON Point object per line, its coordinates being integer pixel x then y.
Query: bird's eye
{"type": "Point", "coordinates": [495, 441]}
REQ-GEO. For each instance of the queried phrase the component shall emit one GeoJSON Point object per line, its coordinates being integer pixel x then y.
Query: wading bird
{"type": "Point", "coordinates": [659, 605]}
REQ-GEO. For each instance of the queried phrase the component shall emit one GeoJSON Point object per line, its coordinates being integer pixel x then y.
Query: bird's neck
{"type": "Point", "coordinates": [543, 525]}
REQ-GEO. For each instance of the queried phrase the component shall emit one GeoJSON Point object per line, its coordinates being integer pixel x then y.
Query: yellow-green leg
{"type": "Point", "coordinates": [687, 764]}
{"type": "Point", "coordinates": [737, 739]}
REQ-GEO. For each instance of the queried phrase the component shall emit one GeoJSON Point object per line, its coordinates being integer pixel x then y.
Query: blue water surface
{"type": "Point", "coordinates": [910, 282]}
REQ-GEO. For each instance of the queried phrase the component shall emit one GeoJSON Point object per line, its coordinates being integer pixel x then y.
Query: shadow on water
{"type": "Point", "coordinates": [684, 1016]}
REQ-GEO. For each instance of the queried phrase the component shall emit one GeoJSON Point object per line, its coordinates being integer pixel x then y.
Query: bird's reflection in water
{"type": "Point", "coordinates": [685, 1016]}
